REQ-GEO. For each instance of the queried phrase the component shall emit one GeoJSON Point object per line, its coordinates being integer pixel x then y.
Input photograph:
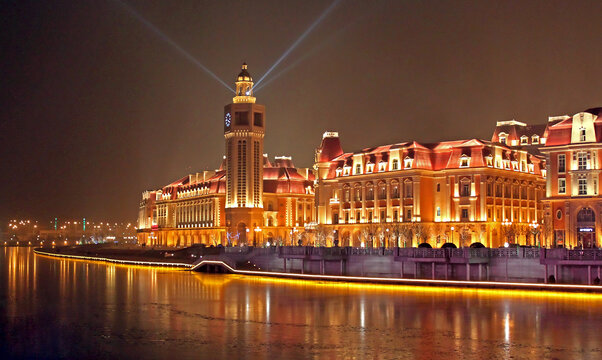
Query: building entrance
{"type": "Point", "coordinates": [586, 228]}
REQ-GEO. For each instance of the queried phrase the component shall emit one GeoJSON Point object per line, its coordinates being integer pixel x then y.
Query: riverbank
{"type": "Point", "coordinates": [332, 264]}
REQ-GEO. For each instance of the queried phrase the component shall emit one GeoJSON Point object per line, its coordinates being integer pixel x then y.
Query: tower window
{"type": "Point", "coordinates": [438, 187]}
{"type": "Point", "coordinates": [358, 168]}
{"type": "Point", "coordinates": [395, 165]}
{"type": "Point", "coordinates": [241, 118]}
{"type": "Point", "coordinates": [258, 119]}
{"type": "Point", "coordinates": [582, 136]}
{"type": "Point", "coordinates": [524, 140]}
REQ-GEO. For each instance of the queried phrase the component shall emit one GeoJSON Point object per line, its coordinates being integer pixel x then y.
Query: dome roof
{"type": "Point", "coordinates": [244, 74]}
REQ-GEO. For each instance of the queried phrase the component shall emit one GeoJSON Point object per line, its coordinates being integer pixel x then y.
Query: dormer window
{"type": "Point", "coordinates": [370, 168]}
{"type": "Point", "coordinates": [582, 136]}
{"type": "Point", "coordinates": [531, 168]}
{"type": "Point", "coordinates": [464, 161]}
{"type": "Point", "coordinates": [524, 140]}
{"type": "Point", "coordinates": [535, 139]}
{"type": "Point", "coordinates": [358, 169]}
{"type": "Point", "coordinates": [503, 137]}
{"type": "Point", "coordinates": [395, 165]}
{"type": "Point", "coordinates": [381, 166]}
{"type": "Point", "coordinates": [407, 162]}
{"type": "Point", "coordinates": [489, 160]}
{"type": "Point", "coordinates": [339, 171]}
{"type": "Point", "coordinates": [346, 170]}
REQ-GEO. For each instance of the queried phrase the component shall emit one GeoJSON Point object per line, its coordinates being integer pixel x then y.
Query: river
{"type": "Point", "coordinates": [56, 308]}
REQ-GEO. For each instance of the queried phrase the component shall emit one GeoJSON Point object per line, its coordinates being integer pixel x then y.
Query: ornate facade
{"type": "Point", "coordinates": [573, 199]}
{"type": "Point", "coordinates": [409, 193]}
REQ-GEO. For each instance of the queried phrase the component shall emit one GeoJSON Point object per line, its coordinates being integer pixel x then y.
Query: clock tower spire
{"type": "Point", "coordinates": [244, 129]}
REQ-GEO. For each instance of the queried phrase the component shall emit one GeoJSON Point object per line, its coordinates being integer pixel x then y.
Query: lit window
{"type": "Point", "coordinates": [582, 186]}
{"type": "Point", "coordinates": [524, 140]}
{"type": "Point", "coordinates": [358, 168]}
{"type": "Point", "coordinates": [582, 160]}
{"type": "Point", "coordinates": [464, 214]}
{"type": "Point", "coordinates": [561, 186]}
{"type": "Point", "coordinates": [381, 166]}
{"type": "Point", "coordinates": [503, 138]}
{"type": "Point", "coordinates": [561, 163]}
{"type": "Point", "coordinates": [582, 136]}
{"type": "Point", "coordinates": [407, 162]}
{"type": "Point", "coordinates": [535, 139]}
{"type": "Point", "coordinates": [438, 211]}
{"type": "Point", "coordinates": [464, 161]}
{"type": "Point", "coordinates": [395, 164]}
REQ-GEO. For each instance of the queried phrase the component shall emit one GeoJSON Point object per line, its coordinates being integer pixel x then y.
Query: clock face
{"type": "Point", "coordinates": [227, 119]}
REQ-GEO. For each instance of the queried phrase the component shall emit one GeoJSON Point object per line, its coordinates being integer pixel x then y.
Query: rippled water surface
{"type": "Point", "coordinates": [53, 308]}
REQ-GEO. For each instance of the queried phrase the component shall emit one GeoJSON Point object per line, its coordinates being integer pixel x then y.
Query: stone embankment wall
{"type": "Point", "coordinates": [505, 264]}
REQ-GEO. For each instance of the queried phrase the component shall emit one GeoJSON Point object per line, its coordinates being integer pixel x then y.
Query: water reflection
{"type": "Point", "coordinates": [69, 308]}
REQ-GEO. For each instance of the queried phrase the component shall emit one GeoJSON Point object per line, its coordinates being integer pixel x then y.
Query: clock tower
{"type": "Point", "coordinates": [244, 129]}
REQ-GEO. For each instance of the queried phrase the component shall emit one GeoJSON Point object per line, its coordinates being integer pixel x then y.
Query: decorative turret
{"type": "Point", "coordinates": [244, 87]}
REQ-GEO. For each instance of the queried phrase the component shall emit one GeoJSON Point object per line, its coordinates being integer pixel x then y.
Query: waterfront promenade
{"type": "Point", "coordinates": [520, 268]}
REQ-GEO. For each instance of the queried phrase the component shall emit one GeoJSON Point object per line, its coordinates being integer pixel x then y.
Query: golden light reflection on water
{"type": "Point", "coordinates": [137, 311]}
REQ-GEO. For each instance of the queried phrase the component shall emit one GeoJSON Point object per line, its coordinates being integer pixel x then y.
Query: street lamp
{"type": "Point", "coordinates": [452, 234]}
{"type": "Point", "coordinates": [535, 231]}
{"type": "Point", "coordinates": [256, 230]}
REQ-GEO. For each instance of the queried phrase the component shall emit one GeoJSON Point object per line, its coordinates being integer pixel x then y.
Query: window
{"type": "Point", "coordinates": [465, 189]}
{"type": "Point", "coordinates": [489, 214]}
{"type": "Point", "coordinates": [558, 214]}
{"type": "Point", "coordinates": [358, 216]}
{"type": "Point", "coordinates": [409, 215]}
{"type": "Point", "coordinates": [358, 194]}
{"type": "Point", "coordinates": [395, 191]}
{"type": "Point", "coordinates": [438, 211]}
{"type": "Point", "coordinates": [241, 118]}
{"type": "Point", "coordinates": [381, 166]}
{"type": "Point", "coordinates": [382, 193]}
{"type": "Point", "coordinates": [407, 162]}
{"type": "Point", "coordinates": [582, 136]}
{"type": "Point", "coordinates": [562, 186]}
{"type": "Point", "coordinates": [346, 195]}
{"type": "Point", "coordinates": [535, 139]}
{"type": "Point", "coordinates": [369, 216]}
{"type": "Point", "coordinates": [503, 138]}
{"type": "Point", "coordinates": [382, 216]}
{"type": "Point", "coordinates": [346, 217]}
{"type": "Point", "coordinates": [408, 189]}
{"type": "Point", "coordinates": [369, 193]}
{"type": "Point", "coordinates": [258, 119]}
{"type": "Point", "coordinates": [358, 168]}
{"type": "Point", "coordinates": [395, 164]}
{"type": "Point", "coordinates": [438, 187]}
{"type": "Point", "coordinates": [464, 161]}
{"type": "Point", "coordinates": [335, 218]}
{"type": "Point", "coordinates": [395, 215]}
{"type": "Point", "coordinates": [489, 189]}
{"type": "Point", "coordinates": [464, 214]}
{"type": "Point", "coordinates": [582, 186]}
{"type": "Point", "coordinates": [581, 160]}
{"type": "Point", "coordinates": [524, 140]}
{"type": "Point", "coordinates": [369, 168]}
{"type": "Point", "coordinates": [561, 163]}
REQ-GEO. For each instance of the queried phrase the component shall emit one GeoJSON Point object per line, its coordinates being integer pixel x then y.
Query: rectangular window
{"type": "Point", "coordinates": [489, 214]}
{"type": "Point", "coordinates": [489, 189]}
{"type": "Point", "coordinates": [582, 136]}
{"type": "Point", "coordinates": [382, 216]}
{"type": "Point", "coordinates": [395, 215]}
{"type": "Point", "coordinates": [465, 191]}
{"type": "Point", "coordinates": [369, 216]}
{"type": "Point", "coordinates": [241, 118]}
{"type": "Point", "coordinates": [464, 214]}
{"type": "Point", "coordinates": [335, 218]}
{"type": "Point", "coordinates": [561, 186]}
{"type": "Point", "coordinates": [358, 217]}
{"type": "Point", "coordinates": [258, 119]}
{"type": "Point", "coordinates": [358, 168]}
{"type": "Point", "coordinates": [561, 163]}
{"type": "Point", "coordinates": [438, 211]}
{"type": "Point", "coordinates": [408, 190]}
{"type": "Point", "coordinates": [582, 160]}
{"type": "Point", "coordinates": [346, 217]}
{"type": "Point", "coordinates": [582, 186]}
{"type": "Point", "coordinates": [395, 164]}
{"type": "Point", "coordinates": [438, 187]}
{"type": "Point", "coordinates": [409, 215]}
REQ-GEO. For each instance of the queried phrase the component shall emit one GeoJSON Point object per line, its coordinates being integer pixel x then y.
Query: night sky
{"type": "Point", "coordinates": [95, 107]}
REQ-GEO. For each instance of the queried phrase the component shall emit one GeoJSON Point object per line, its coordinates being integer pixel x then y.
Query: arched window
{"type": "Point", "coordinates": [503, 137]}
{"type": "Point", "coordinates": [586, 215]}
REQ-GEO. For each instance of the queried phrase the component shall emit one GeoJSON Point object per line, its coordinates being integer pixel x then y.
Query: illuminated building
{"type": "Point", "coordinates": [454, 191]}
{"type": "Point", "coordinates": [248, 200]}
{"type": "Point", "coordinates": [573, 199]}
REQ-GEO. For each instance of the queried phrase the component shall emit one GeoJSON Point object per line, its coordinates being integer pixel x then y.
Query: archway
{"type": "Point", "coordinates": [586, 228]}
{"type": "Point", "coordinates": [242, 233]}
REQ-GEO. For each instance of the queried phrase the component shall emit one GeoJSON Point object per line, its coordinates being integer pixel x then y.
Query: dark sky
{"type": "Point", "coordinates": [95, 108]}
